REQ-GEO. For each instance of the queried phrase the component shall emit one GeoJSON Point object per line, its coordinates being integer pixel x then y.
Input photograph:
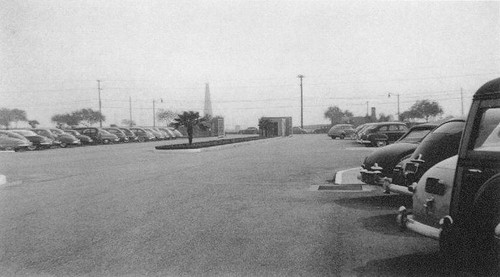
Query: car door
{"type": "Point", "coordinates": [479, 156]}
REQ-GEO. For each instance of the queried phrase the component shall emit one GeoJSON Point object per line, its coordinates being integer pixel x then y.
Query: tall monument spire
{"type": "Point", "coordinates": [208, 104]}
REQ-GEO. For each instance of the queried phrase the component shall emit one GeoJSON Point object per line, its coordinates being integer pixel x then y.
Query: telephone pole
{"type": "Point", "coordinates": [100, 112]}
{"type": "Point", "coordinates": [301, 102]}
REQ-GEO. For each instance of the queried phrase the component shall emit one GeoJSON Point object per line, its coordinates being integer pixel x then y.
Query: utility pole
{"type": "Point", "coordinates": [367, 110]}
{"type": "Point", "coordinates": [301, 103]}
{"type": "Point", "coordinates": [462, 100]}
{"type": "Point", "coordinates": [389, 95]}
{"type": "Point", "coordinates": [99, 91]}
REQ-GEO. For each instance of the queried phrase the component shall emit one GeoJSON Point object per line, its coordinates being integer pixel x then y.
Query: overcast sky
{"type": "Point", "coordinates": [352, 55]}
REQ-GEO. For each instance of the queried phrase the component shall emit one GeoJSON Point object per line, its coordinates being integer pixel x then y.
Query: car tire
{"type": "Point", "coordinates": [32, 147]}
{"type": "Point", "coordinates": [105, 141]}
{"type": "Point", "coordinates": [333, 137]}
{"type": "Point", "coordinates": [140, 139]}
{"type": "Point", "coordinates": [342, 136]}
{"type": "Point", "coordinates": [63, 145]}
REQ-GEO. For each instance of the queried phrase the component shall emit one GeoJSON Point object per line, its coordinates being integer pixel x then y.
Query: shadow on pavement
{"type": "Point", "coordinates": [390, 202]}
{"type": "Point", "coordinates": [385, 224]}
{"type": "Point", "coordinates": [430, 264]}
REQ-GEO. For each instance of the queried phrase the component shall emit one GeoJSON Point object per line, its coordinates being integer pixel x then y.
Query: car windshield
{"type": "Point", "coordinates": [105, 132]}
{"type": "Point", "coordinates": [452, 127]}
{"type": "Point", "coordinates": [13, 135]}
{"type": "Point", "coordinates": [488, 137]}
{"type": "Point", "coordinates": [415, 135]}
{"type": "Point", "coordinates": [57, 131]}
{"type": "Point", "coordinates": [73, 132]}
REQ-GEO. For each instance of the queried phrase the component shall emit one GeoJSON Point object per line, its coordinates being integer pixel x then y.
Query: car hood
{"type": "Point", "coordinates": [432, 203]}
{"type": "Point", "coordinates": [388, 156]}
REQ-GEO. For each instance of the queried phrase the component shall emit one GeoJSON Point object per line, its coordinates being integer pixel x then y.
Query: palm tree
{"type": "Point", "coordinates": [189, 120]}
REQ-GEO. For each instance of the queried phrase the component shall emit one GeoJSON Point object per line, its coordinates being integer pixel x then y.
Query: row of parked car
{"type": "Point", "coordinates": [44, 138]}
{"type": "Point", "coordinates": [452, 172]}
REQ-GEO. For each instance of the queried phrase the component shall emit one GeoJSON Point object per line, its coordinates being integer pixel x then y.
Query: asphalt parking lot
{"type": "Point", "coordinates": [249, 210]}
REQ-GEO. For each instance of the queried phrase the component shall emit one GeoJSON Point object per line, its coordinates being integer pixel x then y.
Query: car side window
{"type": "Point", "coordinates": [383, 128]}
{"type": "Point", "coordinates": [393, 128]}
{"type": "Point", "coordinates": [488, 134]}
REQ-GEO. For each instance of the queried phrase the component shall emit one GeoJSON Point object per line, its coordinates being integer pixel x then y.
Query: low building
{"type": "Point", "coordinates": [279, 126]}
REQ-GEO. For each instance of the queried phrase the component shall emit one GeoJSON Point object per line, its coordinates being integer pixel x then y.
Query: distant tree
{"type": "Point", "coordinates": [18, 115]}
{"type": "Point", "coordinates": [15, 115]}
{"type": "Point", "coordinates": [408, 115]}
{"type": "Point", "coordinates": [189, 120]}
{"type": "Point", "coordinates": [264, 126]}
{"type": "Point", "coordinates": [5, 117]}
{"type": "Point", "coordinates": [33, 123]}
{"type": "Point", "coordinates": [384, 118]}
{"type": "Point", "coordinates": [90, 116]}
{"type": "Point", "coordinates": [166, 116]}
{"type": "Point", "coordinates": [425, 109]}
{"type": "Point", "coordinates": [66, 119]}
{"type": "Point", "coordinates": [335, 114]}
{"type": "Point", "coordinates": [128, 122]}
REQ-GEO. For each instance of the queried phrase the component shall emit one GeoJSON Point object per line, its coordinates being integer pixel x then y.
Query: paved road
{"type": "Point", "coordinates": [248, 210]}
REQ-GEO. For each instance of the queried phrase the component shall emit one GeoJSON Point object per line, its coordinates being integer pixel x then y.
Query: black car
{"type": "Point", "coordinates": [383, 133]}
{"type": "Point", "coordinates": [39, 142]}
{"type": "Point", "coordinates": [84, 139]}
{"type": "Point", "coordinates": [381, 162]}
{"type": "Point", "coordinates": [117, 132]}
{"type": "Point", "coordinates": [131, 136]}
{"type": "Point", "coordinates": [439, 145]}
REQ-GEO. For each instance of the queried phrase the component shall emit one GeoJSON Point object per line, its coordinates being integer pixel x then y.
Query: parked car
{"type": "Point", "coordinates": [359, 130]}
{"type": "Point", "coordinates": [250, 131]}
{"type": "Point", "coordinates": [460, 206]}
{"type": "Point", "coordinates": [158, 135]}
{"type": "Point", "coordinates": [176, 132]}
{"type": "Point", "coordinates": [65, 138]}
{"type": "Point", "coordinates": [440, 144]}
{"type": "Point", "coordinates": [297, 130]}
{"type": "Point", "coordinates": [341, 131]}
{"type": "Point", "coordinates": [131, 136]}
{"type": "Point", "coordinates": [99, 135]}
{"type": "Point", "coordinates": [48, 134]}
{"type": "Point", "coordinates": [142, 135]}
{"type": "Point", "coordinates": [380, 164]}
{"type": "Point", "coordinates": [38, 142]}
{"type": "Point", "coordinates": [83, 139]}
{"type": "Point", "coordinates": [117, 132]}
{"type": "Point", "coordinates": [383, 133]}
{"type": "Point", "coordinates": [168, 132]}
{"type": "Point", "coordinates": [12, 141]}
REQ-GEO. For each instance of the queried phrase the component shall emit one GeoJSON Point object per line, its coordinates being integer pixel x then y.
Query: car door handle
{"type": "Point", "coordinates": [474, 170]}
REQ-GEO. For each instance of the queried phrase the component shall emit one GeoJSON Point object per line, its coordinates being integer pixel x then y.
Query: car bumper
{"type": "Point", "coordinates": [371, 177]}
{"type": "Point", "coordinates": [390, 187]}
{"type": "Point", "coordinates": [406, 221]}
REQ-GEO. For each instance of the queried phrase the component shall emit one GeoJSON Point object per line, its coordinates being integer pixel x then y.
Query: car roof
{"type": "Point", "coordinates": [489, 90]}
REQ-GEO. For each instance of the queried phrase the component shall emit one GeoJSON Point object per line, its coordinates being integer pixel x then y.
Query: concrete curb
{"type": "Point", "coordinates": [3, 180]}
{"type": "Point", "coordinates": [348, 177]}
{"type": "Point", "coordinates": [214, 148]}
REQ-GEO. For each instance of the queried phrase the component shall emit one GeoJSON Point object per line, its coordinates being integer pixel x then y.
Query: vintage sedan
{"type": "Point", "coordinates": [465, 199]}
{"type": "Point", "coordinates": [131, 136]}
{"type": "Point", "coordinates": [117, 132]}
{"type": "Point", "coordinates": [12, 141]}
{"type": "Point", "coordinates": [84, 139]}
{"type": "Point", "coordinates": [383, 133]}
{"type": "Point", "coordinates": [440, 144]}
{"type": "Point", "coordinates": [65, 138]}
{"type": "Point", "coordinates": [39, 142]}
{"type": "Point", "coordinates": [142, 135]}
{"type": "Point", "coordinates": [341, 131]}
{"type": "Point", "coordinates": [380, 163]}
{"type": "Point", "coordinates": [48, 134]}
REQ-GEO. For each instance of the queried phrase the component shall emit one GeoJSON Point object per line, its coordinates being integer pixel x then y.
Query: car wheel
{"type": "Point", "coordinates": [105, 141]}
{"type": "Point", "coordinates": [32, 147]}
{"type": "Point", "coordinates": [140, 139]}
{"type": "Point", "coordinates": [333, 137]}
{"type": "Point", "coordinates": [63, 145]}
{"type": "Point", "coordinates": [342, 136]}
